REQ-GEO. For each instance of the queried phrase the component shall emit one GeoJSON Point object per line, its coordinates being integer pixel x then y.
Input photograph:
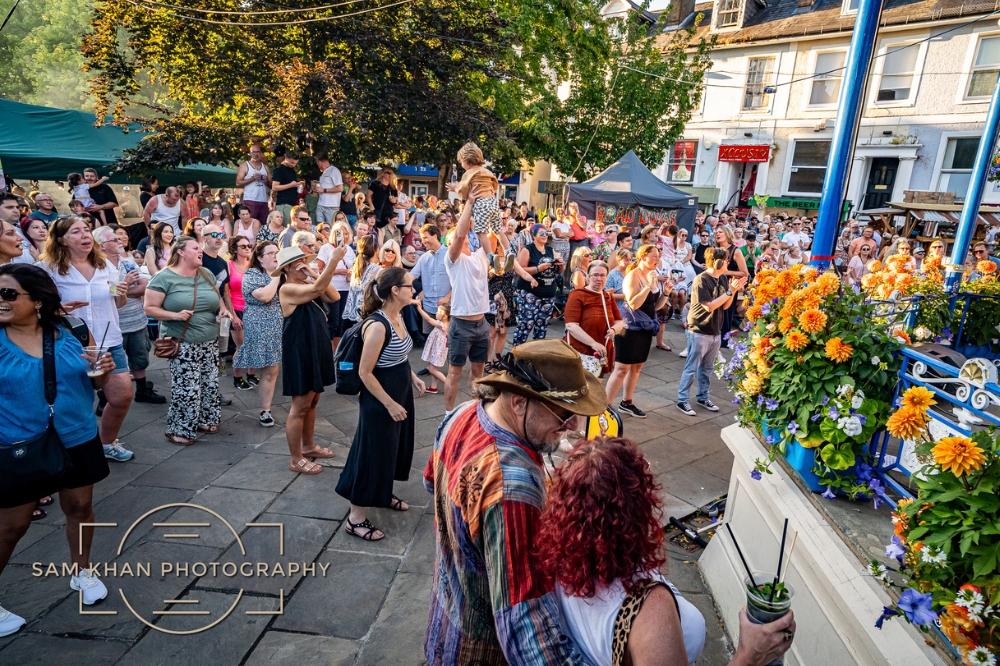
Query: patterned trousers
{"type": "Point", "coordinates": [194, 384]}
{"type": "Point", "coordinates": [533, 315]}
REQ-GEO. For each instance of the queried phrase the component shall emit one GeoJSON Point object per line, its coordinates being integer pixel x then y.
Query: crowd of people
{"type": "Point", "coordinates": [282, 274]}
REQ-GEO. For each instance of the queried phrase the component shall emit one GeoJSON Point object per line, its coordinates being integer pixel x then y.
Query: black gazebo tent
{"type": "Point", "coordinates": [628, 194]}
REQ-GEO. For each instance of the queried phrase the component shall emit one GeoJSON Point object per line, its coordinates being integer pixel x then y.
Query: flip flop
{"type": "Point", "coordinates": [178, 440]}
{"type": "Point", "coordinates": [305, 467]}
{"type": "Point", "coordinates": [319, 452]}
{"type": "Point", "coordinates": [38, 514]}
{"type": "Point", "coordinates": [210, 429]}
{"type": "Point", "coordinates": [664, 347]}
{"type": "Point", "coordinates": [45, 501]}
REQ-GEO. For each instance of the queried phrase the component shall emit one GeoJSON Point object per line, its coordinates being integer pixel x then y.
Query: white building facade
{"type": "Point", "coordinates": [770, 102]}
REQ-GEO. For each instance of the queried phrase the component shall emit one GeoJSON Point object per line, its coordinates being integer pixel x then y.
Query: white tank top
{"type": "Point", "coordinates": [591, 622]}
{"type": "Point", "coordinates": [245, 232]}
{"type": "Point", "coordinates": [257, 190]}
{"type": "Point", "coordinates": [169, 214]}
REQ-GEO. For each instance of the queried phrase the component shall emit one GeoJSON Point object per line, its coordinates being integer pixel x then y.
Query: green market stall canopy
{"type": "Point", "coordinates": [41, 143]}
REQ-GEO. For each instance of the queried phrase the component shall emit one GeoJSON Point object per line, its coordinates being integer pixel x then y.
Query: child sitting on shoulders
{"type": "Point", "coordinates": [436, 347]}
{"type": "Point", "coordinates": [81, 191]}
{"type": "Point", "coordinates": [481, 185]}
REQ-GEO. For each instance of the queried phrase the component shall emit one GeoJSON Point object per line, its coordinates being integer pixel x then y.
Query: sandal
{"type": "Point", "coordinates": [352, 528]}
{"type": "Point", "coordinates": [397, 504]}
{"type": "Point", "coordinates": [45, 501]}
{"type": "Point", "coordinates": [210, 429]}
{"type": "Point", "coordinates": [305, 467]}
{"type": "Point", "coordinates": [664, 347]}
{"type": "Point", "coordinates": [178, 440]}
{"type": "Point", "coordinates": [38, 514]}
{"type": "Point", "coordinates": [318, 452]}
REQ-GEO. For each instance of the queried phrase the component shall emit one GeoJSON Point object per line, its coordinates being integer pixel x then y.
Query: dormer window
{"type": "Point", "coordinates": [728, 14]}
{"type": "Point", "coordinates": [849, 6]}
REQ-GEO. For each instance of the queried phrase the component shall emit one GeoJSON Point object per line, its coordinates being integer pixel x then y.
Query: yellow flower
{"type": "Point", "coordinates": [796, 340]}
{"type": "Point", "coordinates": [907, 423]}
{"type": "Point", "coordinates": [918, 397]}
{"type": "Point", "coordinates": [786, 325]}
{"type": "Point", "coordinates": [837, 350]}
{"type": "Point", "coordinates": [752, 383]}
{"type": "Point", "coordinates": [874, 266]}
{"type": "Point", "coordinates": [828, 283]}
{"type": "Point", "coordinates": [960, 455]}
{"type": "Point", "coordinates": [812, 321]}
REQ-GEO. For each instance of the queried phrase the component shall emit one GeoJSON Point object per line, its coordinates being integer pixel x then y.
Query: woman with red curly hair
{"type": "Point", "coordinates": [601, 542]}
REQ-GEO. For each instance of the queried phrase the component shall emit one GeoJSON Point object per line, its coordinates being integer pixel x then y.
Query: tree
{"type": "Point", "coordinates": [40, 57]}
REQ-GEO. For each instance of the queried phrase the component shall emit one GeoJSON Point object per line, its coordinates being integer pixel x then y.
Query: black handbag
{"type": "Point", "coordinates": [44, 458]}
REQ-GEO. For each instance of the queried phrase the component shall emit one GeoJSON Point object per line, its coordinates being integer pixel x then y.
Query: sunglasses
{"type": "Point", "coordinates": [565, 424]}
{"type": "Point", "coordinates": [216, 234]}
{"type": "Point", "coordinates": [542, 233]}
{"type": "Point", "coordinates": [387, 251]}
{"type": "Point", "coordinates": [243, 247]}
{"type": "Point", "coordinates": [9, 294]}
{"type": "Point", "coordinates": [304, 219]}
{"type": "Point", "coordinates": [979, 251]}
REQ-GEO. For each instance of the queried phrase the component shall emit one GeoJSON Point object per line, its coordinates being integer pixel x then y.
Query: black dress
{"type": "Point", "coordinates": [633, 346]}
{"type": "Point", "coordinates": [729, 314]}
{"type": "Point", "coordinates": [306, 354]}
{"type": "Point", "coordinates": [382, 450]}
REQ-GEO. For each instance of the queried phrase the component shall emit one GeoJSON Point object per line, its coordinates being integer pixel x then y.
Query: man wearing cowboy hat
{"type": "Point", "coordinates": [487, 604]}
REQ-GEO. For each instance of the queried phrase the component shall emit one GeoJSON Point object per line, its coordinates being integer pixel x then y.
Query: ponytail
{"type": "Point", "coordinates": [372, 301]}
{"type": "Point", "coordinates": [643, 250]}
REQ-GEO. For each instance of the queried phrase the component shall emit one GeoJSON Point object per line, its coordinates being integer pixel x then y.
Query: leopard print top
{"type": "Point", "coordinates": [626, 616]}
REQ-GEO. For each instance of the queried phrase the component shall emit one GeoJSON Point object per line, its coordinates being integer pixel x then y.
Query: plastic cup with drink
{"type": "Point", "coordinates": [94, 354]}
{"type": "Point", "coordinates": [767, 602]}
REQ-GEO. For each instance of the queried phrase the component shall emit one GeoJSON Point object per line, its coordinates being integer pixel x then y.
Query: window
{"type": "Point", "coordinates": [808, 166]}
{"type": "Point", "coordinates": [849, 6]}
{"type": "Point", "coordinates": [829, 71]}
{"type": "Point", "coordinates": [898, 68]}
{"type": "Point", "coordinates": [729, 13]}
{"type": "Point", "coordinates": [681, 162]}
{"type": "Point", "coordinates": [759, 76]}
{"type": "Point", "coordinates": [985, 68]}
{"type": "Point", "coordinates": [956, 169]}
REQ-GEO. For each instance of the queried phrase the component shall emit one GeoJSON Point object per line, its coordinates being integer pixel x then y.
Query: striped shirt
{"type": "Point", "coordinates": [488, 606]}
{"type": "Point", "coordinates": [398, 349]}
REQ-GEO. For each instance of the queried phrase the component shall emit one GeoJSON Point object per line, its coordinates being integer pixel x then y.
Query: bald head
{"type": "Point", "coordinates": [209, 243]}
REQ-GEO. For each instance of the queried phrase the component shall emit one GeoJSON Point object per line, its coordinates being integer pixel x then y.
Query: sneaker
{"type": "Point", "coordinates": [225, 400]}
{"type": "Point", "coordinates": [115, 451]}
{"type": "Point", "coordinates": [686, 408]}
{"type": "Point", "coordinates": [709, 405]}
{"type": "Point", "coordinates": [423, 373]}
{"type": "Point", "coordinates": [684, 354]}
{"type": "Point", "coordinates": [242, 384]}
{"type": "Point", "coordinates": [631, 410]}
{"type": "Point", "coordinates": [253, 379]}
{"type": "Point", "coordinates": [9, 623]}
{"type": "Point", "coordinates": [266, 420]}
{"type": "Point", "coordinates": [508, 263]}
{"type": "Point", "coordinates": [431, 389]}
{"type": "Point", "coordinates": [496, 261]}
{"type": "Point", "coordinates": [91, 586]}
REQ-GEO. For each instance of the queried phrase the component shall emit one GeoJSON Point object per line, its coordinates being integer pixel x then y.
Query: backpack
{"type": "Point", "coordinates": [347, 359]}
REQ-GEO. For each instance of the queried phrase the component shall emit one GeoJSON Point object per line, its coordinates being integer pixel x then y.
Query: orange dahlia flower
{"type": "Point", "coordinates": [754, 312]}
{"type": "Point", "coordinates": [986, 267]}
{"type": "Point", "coordinates": [785, 325]}
{"type": "Point", "coordinates": [796, 340]}
{"type": "Point", "coordinates": [960, 455]}
{"type": "Point", "coordinates": [812, 321]}
{"type": "Point", "coordinates": [874, 266]}
{"type": "Point", "coordinates": [907, 423]}
{"type": "Point", "coordinates": [828, 283]}
{"type": "Point", "coordinates": [903, 335]}
{"type": "Point", "coordinates": [837, 350]}
{"type": "Point", "coordinates": [918, 397]}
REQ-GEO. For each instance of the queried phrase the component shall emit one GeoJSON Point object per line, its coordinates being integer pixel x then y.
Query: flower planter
{"type": "Point", "coordinates": [800, 459]}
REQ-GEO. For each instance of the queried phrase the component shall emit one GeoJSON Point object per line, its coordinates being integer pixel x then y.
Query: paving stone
{"type": "Point", "coordinates": [121, 475]}
{"type": "Point", "coordinates": [195, 467]}
{"type": "Point", "coordinates": [675, 506]}
{"type": "Point", "coordinates": [412, 490]}
{"type": "Point", "coordinates": [667, 452]}
{"type": "Point", "coordinates": [278, 648]}
{"type": "Point", "coordinates": [237, 506]}
{"type": "Point", "coordinates": [257, 472]}
{"type": "Point", "coordinates": [35, 533]}
{"type": "Point", "coordinates": [31, 596]}
{"type": "Point", "coordinates": [717, 650]}
{"type": "Point", "coordinates": [277, 445]}
{"type": "Point", "coordinates": [147, 440]}
{"type": "Point", "coordinates": [30, 649]}
{"type": "Point", "coordinates": [312, 497]}
{"type": "Point", "coordinates": [224, 644]}
{"type": "Point", "coordinates": [398, 527]}
{"type": "Point", "coordinates": [692, 486]}
{"type": "Point", "coordinates": [305, 539]}
{"type": "Point", "coordinates": [346, 601]}
{"type": "Point", "coordinates": [419, 557]}
{"type": "Point", "coordinates": [396, 629]}
{"type": "Point", "coordinates": [718, 464]}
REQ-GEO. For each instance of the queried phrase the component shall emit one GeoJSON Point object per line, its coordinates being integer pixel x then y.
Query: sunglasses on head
{"type": "Point", "coordinates": [9, 294]}
{"type": "Point", "coordinates": [216, 234]}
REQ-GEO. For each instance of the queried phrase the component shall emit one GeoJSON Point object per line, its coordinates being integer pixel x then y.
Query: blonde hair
{"type": "Point", "coordinates": [576, 260]}
{"type": "Point", "coordinates": [175, 258]}
{"type": "Point", "coordinates": [471, 153]}
{"type": "Point", "coordinates": [301, 237]}
{"type": "Point", "coordinates": [366, 250]}
{"type": "Point", "coordinates": [267, 220]}
{"type": "Point", "coordinates": [57, 255]}
{"type": "Point", "coordinates": [727, 232]}
{"type": "Point", "coordinates": [394, 246]}
{"type": "Point", "coordinates": [344, 227]}
{"type": "Point", "coordinates": [445, 311]}
{"type": "Point", "coordinates": [643, 250]}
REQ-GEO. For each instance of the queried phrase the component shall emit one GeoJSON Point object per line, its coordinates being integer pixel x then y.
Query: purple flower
{"type": "Point", "coordinates": [895, 549]}
{"type": "Point", "coordinates": [857, 320]}
{"type": "Point", "coordinates": [748, 325]}
{"type": "Point", "coordinates": [774, 301]}
{"type": "Point", "coordinates": [793, 427]}
{"type": "Point", "coordinates": [864, 472]}
{"type": "Point", "coordinates": [833, 413]}
{"type": "Point", "coordinates": [826, 400]}
{"type": "Point", "coordinates": [816, 417]}
{"type": "Point", "coordinates": [877, 486]}
{"type": "Point", "coordinates": [765, 309]}
{"type": "Point", "coordinates": [735, 401]}
{"type": "Point", "coordinates": [828, 494]}
{"type": "Point", "coordinates": [771, 404]}
{"type": "Point", "coordinates": [946, 333]}
{"type": "Point", "coordinates": [937, 339]}
{"type": "Point", "coordinates": [727, 335]}
{"type": "Point", "coordinates": [862, 418]}
{"type": "Point", "coordinates": [877, 500]}
{"type": "Point", "coordinates": [917, 607]}
{"type": "Point", "coordinates": [760, 401]}
{"type": "Point", "coordinates": [886, 614]}
{"type": "Point", "coordinates": [769, 440]}
{"type": "Point", "coordinates": [756, 475]}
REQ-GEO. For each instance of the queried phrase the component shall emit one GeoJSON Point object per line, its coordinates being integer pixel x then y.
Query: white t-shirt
{"type": "Point", "coordinates": [470, 291]}
{"type": "Point", "coordinates": [591, 622]}
{"type": "Point", "coordinates": [339, 282]}
{"type": "Point", "coordinates": [331, 179]}
{"type": "Point", "coordinates": [102, 312]}
{"type": "Point", "coordinates": [792, 238]}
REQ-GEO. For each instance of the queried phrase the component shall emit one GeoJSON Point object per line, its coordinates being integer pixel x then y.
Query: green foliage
{"type": "Point", "coordinates": [984, 313]}
{"type": "Point", "coordinates": [763, 591]}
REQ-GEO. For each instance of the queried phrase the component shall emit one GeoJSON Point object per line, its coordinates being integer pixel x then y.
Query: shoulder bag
{"type": "Point", "coordinates": [591, 363]}
{"type": "Point", "coordinates": [627, 614]}
{"type": "Point", "coordinates": [24, 464]}
{"type": "Point", "coordinates": [169, 347]}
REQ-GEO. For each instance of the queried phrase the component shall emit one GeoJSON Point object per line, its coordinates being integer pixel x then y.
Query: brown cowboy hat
{"type": "Point", "coordinates": [549, 370]}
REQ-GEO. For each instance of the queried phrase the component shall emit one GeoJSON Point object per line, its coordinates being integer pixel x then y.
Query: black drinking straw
{"type": "Point", "coordinates": [103, 338]}
{"type": "Point", "coordinates": [740, 552]}
{"type": "Point", "coordinates": [781, 556]}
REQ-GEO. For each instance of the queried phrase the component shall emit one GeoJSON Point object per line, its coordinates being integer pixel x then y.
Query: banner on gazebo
{"type": "Point", "coordinates": [635, 217]}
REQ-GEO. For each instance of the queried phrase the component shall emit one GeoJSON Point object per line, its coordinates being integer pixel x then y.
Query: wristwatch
{"type": "Point", "coordinates": [729, 292]}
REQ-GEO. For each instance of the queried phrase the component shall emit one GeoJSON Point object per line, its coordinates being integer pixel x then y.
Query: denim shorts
{"type": "Point", "coordinates": [468, 341]}
{"type": "Point", "coordinates": [136, 345]}
{"type": "Point", "coordinates": [121, 360]}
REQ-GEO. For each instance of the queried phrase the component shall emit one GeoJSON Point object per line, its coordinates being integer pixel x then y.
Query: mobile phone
{"type": "Point", "coordinates": [338, 236]}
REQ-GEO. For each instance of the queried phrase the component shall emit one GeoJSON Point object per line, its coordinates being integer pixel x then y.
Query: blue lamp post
{"type": "Point", "coordinates": [850, 106]}
{"type": "Point", "coordinates": [973, 197]}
